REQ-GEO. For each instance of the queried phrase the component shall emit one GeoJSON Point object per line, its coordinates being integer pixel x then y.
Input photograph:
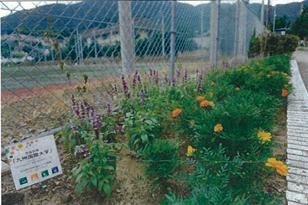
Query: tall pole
{"type": "Point", "coordinates": [213, 30]}
{"type": "Point", "coordinates": [236, 28]}
{"type": "Point", "coordinates": [201, 33]}
{"type": "Point", "coordinates": [127, 38]}
{"type": "Point", "coordinates": [95, 46]}
{"type": "Point", "coordinates": [173, 32]}
{"type": "Point", "coordinates": [274, 19]}
{"type": "Point", "coordinates": [162, 30]}
{"type": "Point", "coordinates": [81, 48]}
{"type": "Point", "coordinates": [268, 13]}
{"type": "Point", "coordinates": [262, 13]}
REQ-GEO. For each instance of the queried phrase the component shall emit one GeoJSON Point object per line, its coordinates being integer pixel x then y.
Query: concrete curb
{"type": "Point", "coordinates": [297, 152]}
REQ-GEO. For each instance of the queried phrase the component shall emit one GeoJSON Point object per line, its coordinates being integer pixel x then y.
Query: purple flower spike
{"type": "Point", "coordinates": [108, 110]}
{"type": "Point", "coordinates": [138, 78]}
{"type": "Point", "coordinates": [125, 87]}
{"type": "Point", "coordinates": [156, 78]}
{"type": "Point", "coordinates": [185, 76]}
{"type": "Point", "coordinates": [120, 129]}
{"type": "Point", "coordinates": [142, 96]}
{"type": "Point", "coordinates": [151, 72]}
{"type": "Point", "coordinates": [173, 81]}
{"type": "Point", "coordinates": [178, 73]}
{"type": "Point", "coordinates": [75, 128]}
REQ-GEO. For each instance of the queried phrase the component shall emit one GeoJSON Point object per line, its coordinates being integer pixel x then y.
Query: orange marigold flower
{"type": "Point", "coordinates": [176, 112]}
{"type": "Point", "coordinates": [280, 167]}
{"type": "Point", "coordinates": [268, 75]}
{"type": "Point", "coordinates": [285, 85]}
{"type": "Point", "coordinates": [205, 103]}
{"type": "Point", "coordinates": [284, 74]}
{"type": "Point", "coordinates": [212, 83]}
{"type": "Point", "coordinates": [237, 88]}
{"type": "Point", "coordinates": [284, 92]}
{"type": "Point", "coordinates": [259, 78]}
{"type": "Point", "coordinates": [218, 128]}
{"type": "Point", "coordinates": [274, 72]}
{"type": "Point", "coordinates": [257, 63]}
{"type": "Point", "coordinates": [192, 122]}
{"type": "Point", "coordinates": [200, 98]}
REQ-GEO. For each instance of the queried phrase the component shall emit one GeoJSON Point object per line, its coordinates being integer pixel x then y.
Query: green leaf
{"type": "Point", "coordinates": [94, 180]}
{"type": "Point", "coordinates": [108, 167]}
{"type": "Point", "coordinates": [81, 186]}
{"type": "Point", "coordinates": [100, 185]}
{"type": "Point", "coordinates": [144, 137]}
{"type": "Point", "coordinates": [107, 189]}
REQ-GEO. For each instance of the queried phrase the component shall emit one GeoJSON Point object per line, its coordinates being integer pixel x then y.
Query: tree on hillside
{"type": "Point", "coordinates": [300, 25]}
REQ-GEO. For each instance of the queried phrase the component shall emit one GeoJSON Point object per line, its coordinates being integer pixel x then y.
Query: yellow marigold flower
{"type": "Point", "coordinates": [284, 92]}
{"type": "Point", "coordinates": [285, 86]}
{"type": "Point", "coordinates": [280, 167]}
{"type": "Point", "coordinates": [190, 151]}
{"type": "Point", "coordinates": [239, 69]}
{"type": "Point", "coordinates": [205, 103]}
{"type": "Point", "coordinates": [218, 128]}
{"type": "Point", "coordinates": [268, 75]}
{"type": "Point", "coordinates": [265, 136]}
{"type": "Point", "coordinates": [288, 76]}
{"type": "Point", "coordinates": [237, 88]}
{"type": "Point", "coordinates": [192, 122]}
{"type": "Point", "coordinates": [176, 112]}
{"type": "Point", "coordinates": [284, 74]}
{"type": "Point", "coordinates": [212, 83]}
{"type": "Point", "coordinates": [200, 98]}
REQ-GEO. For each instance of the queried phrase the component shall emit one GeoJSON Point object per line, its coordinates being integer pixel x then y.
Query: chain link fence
{"type": "Point", "coordinates": [49, 50]}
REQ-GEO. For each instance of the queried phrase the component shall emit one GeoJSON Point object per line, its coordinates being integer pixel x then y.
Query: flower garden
{"type": "Point", "coordinates": [212, 133]}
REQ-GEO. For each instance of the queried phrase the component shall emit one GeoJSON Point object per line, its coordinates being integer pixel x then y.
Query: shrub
{"type": "Point", "coordinates": [161, 160]}
{"type": "Point", "coordinates": [276, 44]}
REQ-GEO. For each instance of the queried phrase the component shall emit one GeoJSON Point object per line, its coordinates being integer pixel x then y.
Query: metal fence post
{"type": "Point", "coordinates": [173, 32]}
{"type": "Point", "coordinates": [127, 38]}
{"type": "Point", "coordinates": [163, 30]}
{"type": "Point", "coordinates": [242, 30]}
{"type": "Point", "coordinates": [201, 33]}
{"type": "Point", "coordinates": [215, 7]}
{"type": "Point", "coordinates": [236, 29]}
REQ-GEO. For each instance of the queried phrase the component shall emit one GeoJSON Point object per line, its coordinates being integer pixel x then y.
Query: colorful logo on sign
{"type": "Point", "coordinates": [23, 180]}
{"type": "Point", "coordinates": [54, 170]}
{"type": "Point", "coordinates": [34, 177]}
{"type": "Point", "coordinates": [45, 173]}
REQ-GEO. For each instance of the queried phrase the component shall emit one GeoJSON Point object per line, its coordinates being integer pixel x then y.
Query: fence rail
{"type": "Point", "coordinates": [48, 50]}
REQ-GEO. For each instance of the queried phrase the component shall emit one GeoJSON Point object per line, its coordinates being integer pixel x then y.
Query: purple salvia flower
{"type": "Point", "coordinates": [108, 110]}
{"type": "Point", "coordinates": [154, 72]}
{"type": "Point", "coordinates": [75, 129]}
{"type": "Point", "coordinates": [125, 87]}
{"type": "Point", "coordinates": [151, 72]}
{"type": "Point", "coordinates": [178, 73]}
{"type": "Point", "coordinates": [173, 81]}
{"type": "Point", "coordinates": [185, 76]}
{"type": "Point", "coordinates": [138, 78]}
{"type": "Point", "coordinates": [156, 78]}
{"type": "Point", "coordinates": [142, 96]}
{"type": "Point", "coordinates": [73, 100]}
{"type": "Point", "coordinates": [120, 129]}
{"type": "Point", "coordinates": [88, 155]}
{"type": "Point", "coordinates": [83, 110]}
{"type": "Point", "coordinates": [134, 82]}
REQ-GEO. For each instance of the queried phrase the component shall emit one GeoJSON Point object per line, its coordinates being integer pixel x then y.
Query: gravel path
{"type": "Point", "coordinates": [302, 60]}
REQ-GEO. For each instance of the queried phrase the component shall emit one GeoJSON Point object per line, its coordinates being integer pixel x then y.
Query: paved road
{"type": "Point", "coordinates": [302, 60]}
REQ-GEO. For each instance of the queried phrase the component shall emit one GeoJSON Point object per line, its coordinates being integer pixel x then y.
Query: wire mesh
{"type": "Point", "coordinates": [48, 49]}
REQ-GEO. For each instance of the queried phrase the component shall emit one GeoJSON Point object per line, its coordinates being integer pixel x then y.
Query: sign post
{"type": "Point", "coordinates": [33, 161]}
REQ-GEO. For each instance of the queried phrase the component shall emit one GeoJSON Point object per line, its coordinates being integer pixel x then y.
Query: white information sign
{"type": "Point", "coordinates": [33, 161]}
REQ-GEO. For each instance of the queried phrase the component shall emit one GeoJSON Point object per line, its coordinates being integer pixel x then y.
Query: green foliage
{"type": "Point", "coordinates": [276, 44]}
{"type": "Point", "coordinates": [98, 170]}
{"type": "Point", "coordinates": [143, 129]}
{"type": "Point", "coordinates": [300, 25]}
{"type": "Point", "coordinates": [161, 160]}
